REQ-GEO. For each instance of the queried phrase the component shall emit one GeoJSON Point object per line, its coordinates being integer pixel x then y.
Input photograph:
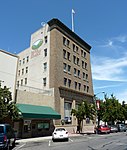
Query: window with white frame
{"type": "Point", "coordinates": [25, 81]}
{"type": "Point", "coordinates": [75, 72]}
{"type": "Point", "coordinates": [64, 53]}
{"type": "Point", "coordinates": [45, 52]}
{"type": "Point", "coordinates": [46, 39]}
{"type": "Point", "coordinates": [44, 81]}
{"type": "Point", "coordinates": [69, 69]}
{"type": "Point", "coordinates": [27, 59]}
{"type": "Point", "coordinates": [65, 67]}
{"type": "Point", "coordinates": [45, 66]}
{"type": "Point", "coordinates": [65, 81]}
{"type": "Point", "coordinates": [26, 69]}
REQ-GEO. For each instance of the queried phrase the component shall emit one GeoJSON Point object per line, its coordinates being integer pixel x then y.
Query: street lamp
{"type": "Point", "coordinates": [97, 104]}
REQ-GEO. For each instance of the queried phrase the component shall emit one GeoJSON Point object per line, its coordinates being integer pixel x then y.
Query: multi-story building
{"type": "Point", "coordinates": [57, 61]}
{"type": "Point", "coordinates": [8, 71]}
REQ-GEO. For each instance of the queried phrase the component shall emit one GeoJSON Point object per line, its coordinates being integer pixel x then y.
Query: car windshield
{"type": "Point", "coordinates": [1, 129]}
{"type": "Point", "coordinates": [60, 129]}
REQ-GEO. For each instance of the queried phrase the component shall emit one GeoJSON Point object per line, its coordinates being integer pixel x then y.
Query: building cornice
{"type": "Point", "coordinates": [55, 23]}
{"type": "Point", "coordinates": [3, 51]}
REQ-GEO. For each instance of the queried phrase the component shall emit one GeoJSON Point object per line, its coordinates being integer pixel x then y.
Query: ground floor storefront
{"type": "Point", "coordinates": [35, 121]}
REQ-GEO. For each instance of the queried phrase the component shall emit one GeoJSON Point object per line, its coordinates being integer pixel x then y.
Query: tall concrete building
{"type": "Point", "coordinates": [57, 63]}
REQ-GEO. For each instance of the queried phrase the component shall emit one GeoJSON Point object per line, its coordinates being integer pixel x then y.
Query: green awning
{"type": "Point", "coordinates": [38, 112]}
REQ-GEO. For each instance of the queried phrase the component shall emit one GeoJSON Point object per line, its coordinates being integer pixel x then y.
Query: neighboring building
{"type": "Point", "coordinates": [55, 70]}
{"type": "Point", "coordinates": [8, 71]}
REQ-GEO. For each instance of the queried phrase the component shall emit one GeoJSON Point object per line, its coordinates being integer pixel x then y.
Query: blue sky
{"type": "Point", "coordinates": [101, 23]}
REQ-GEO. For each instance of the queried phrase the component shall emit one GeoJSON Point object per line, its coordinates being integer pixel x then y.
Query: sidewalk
{"type": "Point", "coordinates": [37, 139]}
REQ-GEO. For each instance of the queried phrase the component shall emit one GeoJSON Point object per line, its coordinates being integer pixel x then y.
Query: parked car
{"type": "Point", "coordinates": [114, 128]}
{"type": "Point", "coordinates": [60, 134]}
{"type": "Point", "coordinates": [102, 129]}
{"type": "Point", "coordinates": [121, 127]}
{"type": "Point", "coordinates": [7, 137]}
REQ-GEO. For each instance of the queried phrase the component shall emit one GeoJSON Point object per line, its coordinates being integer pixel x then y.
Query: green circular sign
{"type": "Point", "coordinates": [37, 44]}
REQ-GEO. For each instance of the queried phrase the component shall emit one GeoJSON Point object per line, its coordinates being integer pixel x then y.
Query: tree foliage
{"type": "Point", "coordinates": [112, 110]}
{"type": "Point", "coordinates": [8, 108]}
{"type": "Point", "coordinates": [85, 110]}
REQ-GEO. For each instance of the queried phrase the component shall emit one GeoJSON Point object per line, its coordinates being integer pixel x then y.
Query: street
{"type": "Point", "coordinates": [112, 141]}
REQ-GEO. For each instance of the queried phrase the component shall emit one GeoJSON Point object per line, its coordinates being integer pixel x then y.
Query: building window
{"type": "Point", "coordinates": [78, 61]}
{"type": "Point", "coordinates": [46, 39]}
{"type": "Point", "coordinates": [75, 84]}
{"type": "Point", "coordinates": [21, 82]}
{"type": "Point", "coordinates": [25, 81]}
{"type": "Point", "coordinates": [64, 41]}
{"type": "Point", "coordinates": [69, 83]}
{"type": "Point", "coordinates": [65, 81]}
{"type": "Point", "coordinates": [79, 86]}
{"type": "Point", "coordinates": [20, 62]}
{"type": "Point", "coordinates": [45, 66]}
{"type": "Point", "coordinates": [22, 71]}
{"type": "Point", "coordinates": [83, 54]}
{"type": "Point", "coordinates": [75, 74]}
{"type": "Point", "coordinates": [26, 69]}
{"type": "Point", "coordinates": [27, 59]}
{"type": "Point", "coordinates": [19, 73]}
{"type": "Point", "coordinates": [65, 67]}
{"type": "Point", "coordinates": [84, 87]}
{"type": "Point", "coordinates": [45, 52]}
{"type": "Point", "coordinates": [85, 65]}
{"type": "Point", "coordinates": [83, 75]}
{"type": "Point", "coordinates": [87, 89]}
{"type": "Point", "coordinates": [17, 83]}
{"type": "Point", "coordinates": [86, 76]}
{"type": "Point", "coordinates": [67, 112]}
{"type": "Point", "coordinates": [69, 69]}
{"type": "Point", "coordinates": [64, 53]}
{"type": "Point", "coordinates": [73, 47]}
{"type": "Point", "coordinates": [23, 60]}
{"type": "Point", "coordinates": [74, 59]}
{"type": "Point", "coordinates": [77, 49]}
{"type": "Point", "coordinates": [44, 81]}
{"type": "Point", "coordinates": [68, 55]}
{"type": "Point", "coordinates": [68, 43]}
{"type": "Point", "coordinates": [79, 73]}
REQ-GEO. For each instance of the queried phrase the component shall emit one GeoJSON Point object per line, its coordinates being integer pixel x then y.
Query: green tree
{"type": "Point", "coordinates": [111, 110]}
{"type": "Point", "coordinates": [85, 110]}
{"type": "Point", "coordinates": [8, 108]}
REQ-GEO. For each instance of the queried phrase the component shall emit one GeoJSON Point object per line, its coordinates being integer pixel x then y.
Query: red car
{"type": "Point", "coordinates": [102, 129]}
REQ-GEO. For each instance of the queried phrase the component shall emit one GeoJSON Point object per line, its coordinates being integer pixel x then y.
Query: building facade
{"type": "Point", "coordinates": [57, 64]}
{"type": "Point", "coordinates": [8, 71]}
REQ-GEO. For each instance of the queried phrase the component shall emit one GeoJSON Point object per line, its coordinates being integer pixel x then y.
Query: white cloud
{"type": "Point", "coordinates": [107, 86]}
{"type": "Point", "coordinates": [105, 68]}
{"type": "Point", "coordinates": [121, 38]}
{"type": "Point", "coordinates": [122, 96]}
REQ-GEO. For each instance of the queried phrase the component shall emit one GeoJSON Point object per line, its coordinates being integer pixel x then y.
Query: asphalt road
{"type": "Point", "coordinates": [112, 141]}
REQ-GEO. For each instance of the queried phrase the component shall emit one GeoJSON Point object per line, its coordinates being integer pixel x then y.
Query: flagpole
{"type": "Point", "coordinates": [72, 13]}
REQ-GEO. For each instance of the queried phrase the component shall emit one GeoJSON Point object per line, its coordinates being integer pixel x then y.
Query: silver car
{"type": "Point", "coordinates": [121, 127]}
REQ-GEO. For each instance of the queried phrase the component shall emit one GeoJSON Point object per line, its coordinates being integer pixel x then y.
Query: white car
{"type": "Point", "coordinates": [60, 134]}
